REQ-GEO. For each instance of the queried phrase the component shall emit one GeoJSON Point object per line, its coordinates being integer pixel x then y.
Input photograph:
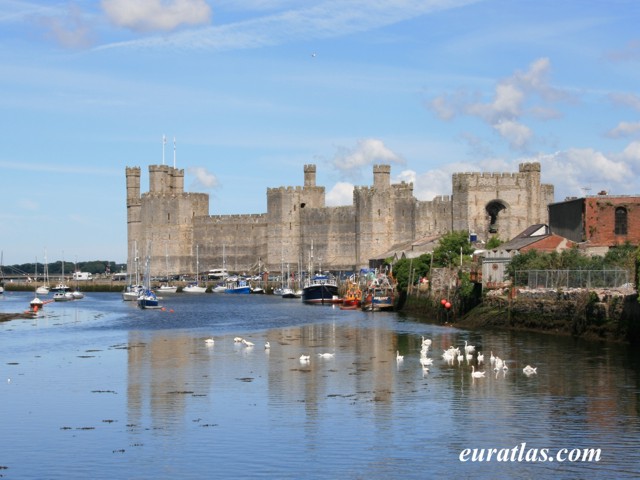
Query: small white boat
{"type": "Point", "coordinates": [132, 292]}
{"type": "Point", "coordinates": [167, 289]}
{"type": "Point", "coordinates": [43, 290]}
{"type": "Point", "coordinates": [288, 293]}
{"type": "Point", "coordinates": [36, 304]}
{"type": "Point", "coordinates": [77, 294]}
{"type": "Point", "coordinates": [62, 296]}
{"type": "Point", "coordinates": [196, 287]}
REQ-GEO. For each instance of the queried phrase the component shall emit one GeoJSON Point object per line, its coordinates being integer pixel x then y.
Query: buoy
{"type": "Point", "coordinates": [163, 309]}
{"type": "Point", "coordinates": [443, 301]}
{"type": "Point", "coordinates": [171, 311]}
{"type": "Point", "coordinates": [447, 305]}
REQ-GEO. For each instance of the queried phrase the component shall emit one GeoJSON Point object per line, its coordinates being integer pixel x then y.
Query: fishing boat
{"type": "Point", "coordinates": [321, 289]}
{"type": "Point", "coordinates": [380, 294]}
{"type": "Point", "coordinates": [352, 296]}
{"type": "Point", "coordinates": [238, 287]}
{"type": "Point", "coordinates": [196, 287]}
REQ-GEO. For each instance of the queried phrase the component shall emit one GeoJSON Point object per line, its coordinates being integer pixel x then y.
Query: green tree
{"type": "Point", "coordinates": [494, 242]}
{"type": "Point", "coordinates": [450, 247]}
{"type": "Point", "coordinates": [407, 270]}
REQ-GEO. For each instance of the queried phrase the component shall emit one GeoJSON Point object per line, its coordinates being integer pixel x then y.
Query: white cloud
{"type": "Point", "coordinates": [575, 170]}
{"type": "Point", "coordinates": [516, 133]}
{"type": "Point", "coordinates": [156, 15]}
{"type": "Point", "coordinates": [514, 98]}
{"type": "Point", "coordinates": [70, 28]}
{"type": "Point", "coordinates": [367, 152]}
{"type": "Point", "coordinates": [631, 153]}
{"type": "Point", "coordinates": [340, 194]}
{"type": "Point", "coordinates": [626, 100]}
{"type": "Point", "coordinates": [314, 20]}
{"type": "Point", "coordinates": [203, 178]}
{"type": "Point", "coordinates": [624, 129]}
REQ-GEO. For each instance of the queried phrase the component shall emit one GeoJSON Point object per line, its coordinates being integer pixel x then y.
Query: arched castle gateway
{"type": "Point", "coordinates": [169, 224]}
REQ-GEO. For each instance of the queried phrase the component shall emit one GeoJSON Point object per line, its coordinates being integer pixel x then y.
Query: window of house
{"type": "Point", "coordinates": [621, 221]}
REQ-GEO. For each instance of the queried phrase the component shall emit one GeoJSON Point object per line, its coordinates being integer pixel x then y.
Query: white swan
{"type": "Point", "coordinates": [399, 357]}
{"type": "Point", "coordinates": [247, 343]}
{"type": "Point", "coordinates": [475, 374]}
{"type": "Point", "coordinates": [305, 358]}
{"type": "Point", "coordinates": [492, 359]}
{"type": "Point", "coordinates": [237, 339]}
{"type": "Point", "coordinates": [209, 341]}
{"type": "Point", "coordinates": [425, 361]}
{"type": "Point", "coordinates": [529, 370]}
{"type": "Point", "coordinates": [267, 345]}
{"type": "Point", "coordinates": [326, 355]}
{"type": "Point", "coordinates": [469, 348]}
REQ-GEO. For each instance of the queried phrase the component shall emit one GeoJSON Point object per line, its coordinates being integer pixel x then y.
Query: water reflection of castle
{"type": "Point", "coordinates": [169, 372]}
{"type": "Point", "coordinates": [173, 223]}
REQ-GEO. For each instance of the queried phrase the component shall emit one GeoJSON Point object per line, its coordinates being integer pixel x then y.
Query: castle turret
{"type": "Point", "coordinates": [133, 213]}
{"type": "Point", "coordinates": [381, 177]}
{"type": "Point", "coordinates": [310, 175]}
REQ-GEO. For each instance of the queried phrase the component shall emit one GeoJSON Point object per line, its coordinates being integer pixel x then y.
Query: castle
{"type": "Point", "coordinates": [174, 228]}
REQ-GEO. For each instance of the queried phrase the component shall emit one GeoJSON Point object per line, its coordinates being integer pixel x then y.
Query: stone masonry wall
{"type": "Point", "coordinates": [173, 225]}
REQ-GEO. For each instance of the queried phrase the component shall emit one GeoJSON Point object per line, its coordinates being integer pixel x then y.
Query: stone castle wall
{"type": "Point", "coordinates": [171, 226]}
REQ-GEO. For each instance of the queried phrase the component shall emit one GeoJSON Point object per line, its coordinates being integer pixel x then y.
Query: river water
{"type": "Point", "coordinates": [97, 388]}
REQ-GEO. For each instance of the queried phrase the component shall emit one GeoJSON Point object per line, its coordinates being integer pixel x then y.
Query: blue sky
{"type": "Point", "coordinates": [253, 90]}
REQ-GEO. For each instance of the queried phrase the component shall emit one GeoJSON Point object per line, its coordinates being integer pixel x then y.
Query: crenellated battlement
{"type": "Point", "coordinates": [345, 237]}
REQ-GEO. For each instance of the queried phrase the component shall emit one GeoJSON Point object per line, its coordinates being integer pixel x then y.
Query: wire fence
{"type": "Point", "coordinates": [571, 278]}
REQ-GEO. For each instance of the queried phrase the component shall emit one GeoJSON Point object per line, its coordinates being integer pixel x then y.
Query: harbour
{"type": "Point", "coordinates": [107, 390]}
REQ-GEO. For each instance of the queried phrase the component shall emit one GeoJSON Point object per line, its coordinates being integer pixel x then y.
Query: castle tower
{"type": "Point", "coordinates": [133, 213]}
{"type": "Point", "coordinates": [500, 204]}
{"type": "Point", "coordinates": [381, 177]}
{"type": "Point", "coordinates": [309, 175]}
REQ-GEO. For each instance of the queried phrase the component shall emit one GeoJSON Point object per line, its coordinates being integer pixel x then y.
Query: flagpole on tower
{"type": "Point", "coordinates": [164, 141]}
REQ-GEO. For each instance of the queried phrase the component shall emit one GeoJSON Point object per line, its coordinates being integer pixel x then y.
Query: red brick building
{"type": "Point", "coordinates": [597, 222]}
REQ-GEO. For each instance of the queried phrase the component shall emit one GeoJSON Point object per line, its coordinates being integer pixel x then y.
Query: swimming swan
{"type": "Point", "coordinates": [475, 374]}
{"type": "Point", "coordinates": [529, 370]}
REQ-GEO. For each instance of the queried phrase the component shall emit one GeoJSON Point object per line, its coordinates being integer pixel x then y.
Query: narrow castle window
{"type": "Point", "coordinates": [620, 221]}
{"type": "Point", "coordinates": [168, 217]}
